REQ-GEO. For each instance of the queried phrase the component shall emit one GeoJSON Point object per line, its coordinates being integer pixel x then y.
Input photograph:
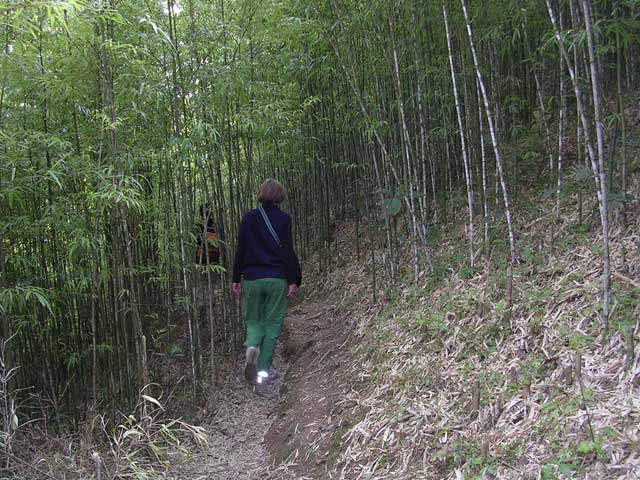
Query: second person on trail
{"type": "Point", "coordinates": [266, 273]}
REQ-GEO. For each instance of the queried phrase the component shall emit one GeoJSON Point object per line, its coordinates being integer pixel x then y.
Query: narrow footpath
{"type": "Point", "coordinates": [276, 431]}
{"type": "Point", "coordinates": [236, 428]}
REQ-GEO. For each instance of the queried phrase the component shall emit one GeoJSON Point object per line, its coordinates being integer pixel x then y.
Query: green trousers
{"type": "Point", "coordinates": [264, 305]}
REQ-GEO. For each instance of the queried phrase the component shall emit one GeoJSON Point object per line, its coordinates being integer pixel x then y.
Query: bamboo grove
{"type": "Point", "coordinates": [119, 118]}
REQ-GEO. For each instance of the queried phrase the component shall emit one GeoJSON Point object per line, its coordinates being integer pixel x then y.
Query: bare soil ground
{"type": "Point", "coordinates": [300, 441]}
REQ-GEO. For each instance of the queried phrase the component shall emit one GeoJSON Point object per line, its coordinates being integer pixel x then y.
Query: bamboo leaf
{"type": "Point", "coordinates": [393, 206]}
{"type": "Point", "coordinates": [152, 400]}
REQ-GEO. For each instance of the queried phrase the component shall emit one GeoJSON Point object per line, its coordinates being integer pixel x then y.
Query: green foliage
{"type": "Point", "coordinates": [116, 121]}
{"type": "Point", "coordinates": [580, 175]}
{"type": "Point", "coordinates": [433, 325]}
{"type": "Point", "coordinates": [552, 470]}
{"type": "Point", "coordinates": [17, 299]}
{"type": "Point", "coordinates": [393, 206]}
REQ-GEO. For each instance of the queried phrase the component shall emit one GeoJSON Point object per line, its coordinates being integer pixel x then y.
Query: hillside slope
{"type": "Point", "coordinates": [440, 379]}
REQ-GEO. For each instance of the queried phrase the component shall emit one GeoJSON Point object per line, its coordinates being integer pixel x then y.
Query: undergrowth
{"type": "Point", "coordinates": [145, 444]}
{"type": "Point", "coordinates": [462, 383]}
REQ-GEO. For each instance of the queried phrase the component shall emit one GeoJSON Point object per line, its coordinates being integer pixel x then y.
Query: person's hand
{"type": "Point", "coordinates": [293, 289]}
{"type": "Point", "coordinates": [236, 288]}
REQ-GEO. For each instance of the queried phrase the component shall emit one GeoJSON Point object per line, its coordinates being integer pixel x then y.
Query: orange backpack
{"type": "Point", "coordinates": [213, 250]}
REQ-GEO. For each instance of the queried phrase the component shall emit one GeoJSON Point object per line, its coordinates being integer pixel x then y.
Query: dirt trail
{"type": "Point", "coordinates": [261, 430]}
{"type": "Point", "coordinates": [301, 440]}
{"type": "Point", "coordinates": [242, 415]}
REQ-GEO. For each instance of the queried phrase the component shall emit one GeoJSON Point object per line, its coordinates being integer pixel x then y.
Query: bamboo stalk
{"type": "Point", "coordinates": [463, 143]}
{"type": "Point", "coordinates": [494, 136]}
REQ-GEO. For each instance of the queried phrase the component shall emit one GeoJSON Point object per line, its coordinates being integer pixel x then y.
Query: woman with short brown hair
{"type": "Point", "coordinates": [266, 273]}
{"type": "Point", "coordinates": [271, 191]}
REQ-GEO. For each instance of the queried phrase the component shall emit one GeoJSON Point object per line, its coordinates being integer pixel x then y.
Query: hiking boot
{"type": "Point", "coordinates": [250, 368]}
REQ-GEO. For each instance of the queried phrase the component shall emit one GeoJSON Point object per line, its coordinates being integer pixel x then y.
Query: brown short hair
{"type": "Point", "coordinates": [271, 191]}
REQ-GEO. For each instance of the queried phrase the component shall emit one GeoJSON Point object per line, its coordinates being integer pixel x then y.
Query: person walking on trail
{"type": "Point", "coordinates": [266, 273]}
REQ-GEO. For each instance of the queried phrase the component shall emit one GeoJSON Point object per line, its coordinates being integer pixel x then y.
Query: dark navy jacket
{"type": "Point", "coordinates": [257, 253]}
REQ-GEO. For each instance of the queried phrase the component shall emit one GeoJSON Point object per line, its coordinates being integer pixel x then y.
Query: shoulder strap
{"type": "Point", "coordinates": [269, 226]}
